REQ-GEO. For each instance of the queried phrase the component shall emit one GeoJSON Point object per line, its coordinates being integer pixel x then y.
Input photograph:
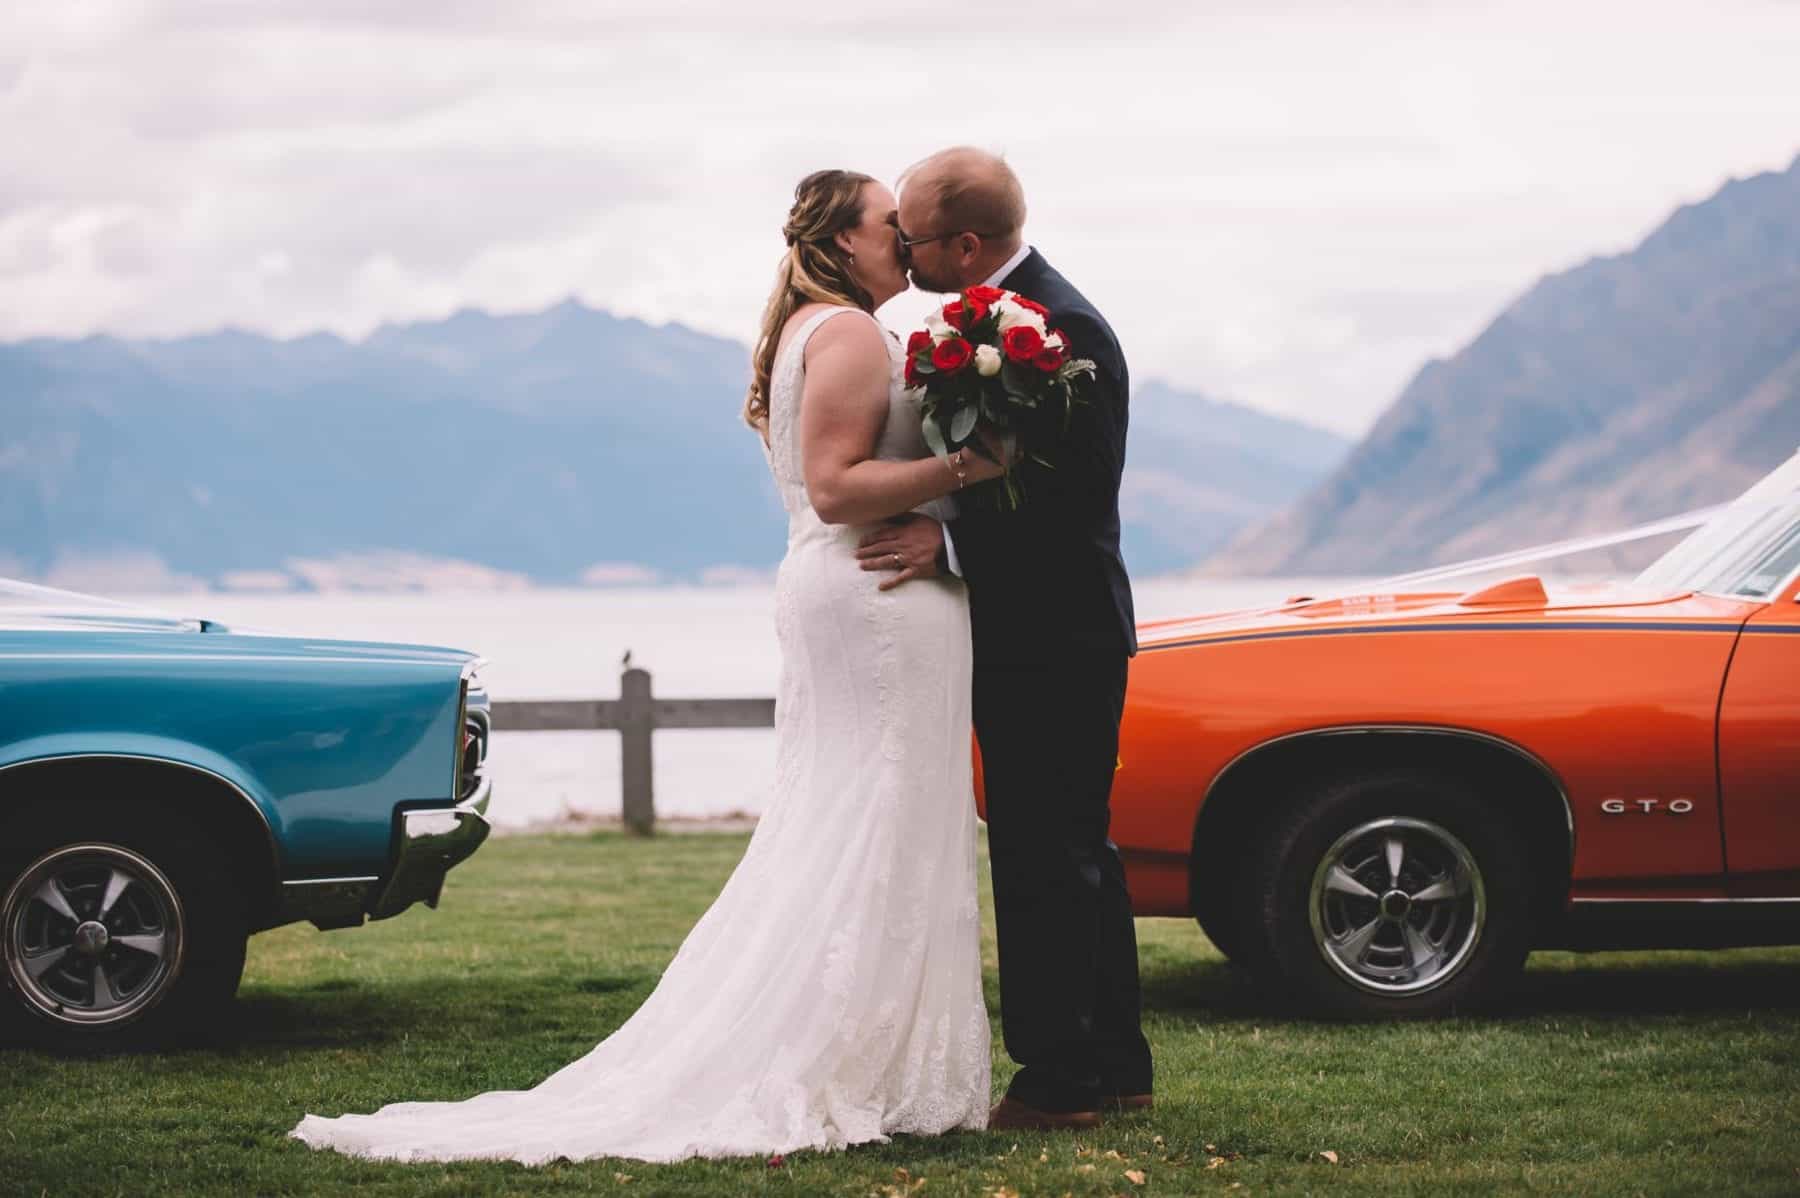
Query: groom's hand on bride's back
{"type": "Point", "coordinates": [904, 548]}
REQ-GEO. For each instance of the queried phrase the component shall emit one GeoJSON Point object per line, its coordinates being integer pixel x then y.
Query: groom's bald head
{"type": "Point", "coordinates": [966, 189]}
{"type": "Point", "coordinates": [965, 211]}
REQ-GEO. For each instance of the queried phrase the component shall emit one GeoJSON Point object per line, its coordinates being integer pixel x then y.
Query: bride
{"type": "Point", "coordinates": [832, 993]}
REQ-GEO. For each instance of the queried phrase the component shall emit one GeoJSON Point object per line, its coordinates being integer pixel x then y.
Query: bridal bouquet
{"type": "Point", "coordinates": [988, 361]}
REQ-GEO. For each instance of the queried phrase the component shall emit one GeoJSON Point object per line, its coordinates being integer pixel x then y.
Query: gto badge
{"type": "Point", "coordinates": [1646, 806]}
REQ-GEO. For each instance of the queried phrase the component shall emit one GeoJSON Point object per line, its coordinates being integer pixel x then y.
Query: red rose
{"type": "Point", "coordinates": [952, 355]}
{"type": "Point", "coordinates": [963, 313]}
{"type": "Point", "coordinates": [985, 295]}
{"type": "Point", "coordinates": [1022, 342]}
{"type": "Point", "coordinates": [1048, 359]}
{"type": "Point", "coordinates": [1031, 306]}
{"type": "Point", "coordinates": [912, 371]}
{"type": "Point", "coordinates": [917, 342]}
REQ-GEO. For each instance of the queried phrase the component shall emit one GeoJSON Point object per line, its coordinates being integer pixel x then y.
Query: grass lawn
{"type": "Point", "coordinates": [1624, 1073]}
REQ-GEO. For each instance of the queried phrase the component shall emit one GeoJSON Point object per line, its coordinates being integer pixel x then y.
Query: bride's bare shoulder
{"type": "Point", "coordinates": [850, 333]}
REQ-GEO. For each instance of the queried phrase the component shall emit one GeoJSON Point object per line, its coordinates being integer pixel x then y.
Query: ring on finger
{"type": "Point", "coordinates": [898, 560]}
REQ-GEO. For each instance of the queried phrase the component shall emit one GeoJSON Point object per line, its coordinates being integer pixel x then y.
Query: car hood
{"type": "Point", "coordinates": [1521, 599]}
{"type": "Point", "coordinates": [36, 609]}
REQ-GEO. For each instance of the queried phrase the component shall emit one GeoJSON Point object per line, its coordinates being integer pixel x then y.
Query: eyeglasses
{"type": "Point", "coordinates": [907, 243]}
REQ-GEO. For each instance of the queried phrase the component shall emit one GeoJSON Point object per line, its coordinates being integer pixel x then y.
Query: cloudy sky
{"type": "Point", "coordinates": [1284, 202]}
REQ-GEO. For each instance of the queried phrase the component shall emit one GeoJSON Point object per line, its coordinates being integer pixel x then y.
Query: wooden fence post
{"type": "Point", "coordinates": [637, 718]}
{"type": "Point", "coordinates": [635, 715]}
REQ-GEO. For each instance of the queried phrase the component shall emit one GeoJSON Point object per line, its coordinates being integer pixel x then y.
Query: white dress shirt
{"type": "Point", "coordinates": [993, 280]}
{"type": "Point", "coordinates": [1007, 267]}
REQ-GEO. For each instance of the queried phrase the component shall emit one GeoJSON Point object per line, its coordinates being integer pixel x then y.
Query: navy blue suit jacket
{"type": "Point", "coordinates": [1048, 574]}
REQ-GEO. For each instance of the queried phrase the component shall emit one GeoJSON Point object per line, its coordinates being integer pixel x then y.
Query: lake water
{"type": "Point", "coordinates": [697, 642]}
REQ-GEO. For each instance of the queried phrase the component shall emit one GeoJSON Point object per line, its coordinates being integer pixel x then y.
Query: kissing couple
{"type": "Point", "coordinates": [832, 993]}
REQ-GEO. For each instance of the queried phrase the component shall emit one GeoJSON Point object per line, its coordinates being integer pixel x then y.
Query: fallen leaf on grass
{"type": "Point", "coordinates": [1005, 1192]}
{"type": "Point", "coordinates": [1158, 1141]}
{"type": "Point", "coordinates": [1135, 1176]}
{"type": "Point", "coordinates": [622, 1178]}
{"type": "Point", "coordinates": [1084, 1168]}
{"type": "Point", "coordinates": [1214, 1162]}
{"type": "Point", "coordinates": [1329, 1155]}
{"type": "Point", "coordinates": [1112, 1155]}
{"type": "Point", "coordinates": [1042, 1157]}
{"type": "Point", "coordinates": [908, 1185]}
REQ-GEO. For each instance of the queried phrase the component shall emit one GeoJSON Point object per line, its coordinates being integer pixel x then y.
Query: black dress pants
{"type": "Point", "coordinates": [1049, 737]}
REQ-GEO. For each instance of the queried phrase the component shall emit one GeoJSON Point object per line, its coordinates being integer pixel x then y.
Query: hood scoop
{"type": "Point", "coordinates": [1526, 590]}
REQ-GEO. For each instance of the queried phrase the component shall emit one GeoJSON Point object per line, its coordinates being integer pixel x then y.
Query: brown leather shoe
{"type": "Point", "coordinates": [1009, 1114]}
{"type": "Point", "coordinates": [1128, 1102]}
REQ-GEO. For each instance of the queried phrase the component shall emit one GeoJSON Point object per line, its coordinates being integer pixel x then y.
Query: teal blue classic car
{"type": "Point", "coordinates": [169, 786]}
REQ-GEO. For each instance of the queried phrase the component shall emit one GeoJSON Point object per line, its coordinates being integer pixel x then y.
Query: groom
{"type": "Point", "coordinates": [1050, 607]}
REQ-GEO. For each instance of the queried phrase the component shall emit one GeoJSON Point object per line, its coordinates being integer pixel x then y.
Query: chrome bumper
{"type": "Point", "coordinates": [432, 840]}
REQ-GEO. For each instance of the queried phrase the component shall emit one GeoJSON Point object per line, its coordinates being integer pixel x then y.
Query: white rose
{"type": "Point", "coordinates": [987, 361]}
{"type": "Point", "coordinates": [1053, 341]}
{"type": "Point", "coordinates": [1012, 316]}
{"type": "Point", "coordinates": [938, 327]}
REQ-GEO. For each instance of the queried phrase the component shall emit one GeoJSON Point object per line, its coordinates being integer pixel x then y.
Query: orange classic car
{"type": "Point", "coordinates": [1382, 803]}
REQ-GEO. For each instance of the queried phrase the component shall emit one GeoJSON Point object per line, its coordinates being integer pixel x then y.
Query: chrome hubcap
{"type": "Point", "coordinates": [93, 934]}
{"type": "Point", "coordinates": [1397, 905]}
{"type": "Point", "coordinates": [91, 938]}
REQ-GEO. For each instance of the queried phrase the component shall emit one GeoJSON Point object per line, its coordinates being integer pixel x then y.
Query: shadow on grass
{"type": "Point", "coordinates": [344, 1013]}
{"type": "Point", "coordinates": [1569, 985]}
{"type": "Point", "coordinates": [1649, 986]}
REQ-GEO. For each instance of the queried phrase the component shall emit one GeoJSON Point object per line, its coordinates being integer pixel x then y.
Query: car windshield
{"type": "Point", "coordinates": [1748, 549]}
{"type": "Point", "coordinates": [24, 602]}
{"type": "Point", "coordinates": [16, 594]}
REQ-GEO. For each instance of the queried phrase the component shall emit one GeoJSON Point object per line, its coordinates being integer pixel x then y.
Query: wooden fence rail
{"type": "Point", "coordinates": [635, 714]}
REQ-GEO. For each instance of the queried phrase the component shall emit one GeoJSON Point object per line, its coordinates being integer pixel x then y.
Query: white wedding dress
{"type": "Point", "coordinates": [832, 993]}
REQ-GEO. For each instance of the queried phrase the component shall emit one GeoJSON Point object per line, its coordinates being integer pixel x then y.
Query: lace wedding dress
{"type": "Point", "coordinates": [832, 993]}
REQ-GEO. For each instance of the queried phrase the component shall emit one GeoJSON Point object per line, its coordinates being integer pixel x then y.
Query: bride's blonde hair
{"type": "Point", "coordinates": [815, 270]}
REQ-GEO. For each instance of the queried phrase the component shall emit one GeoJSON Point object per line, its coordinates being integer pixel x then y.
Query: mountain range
{"type": "Point", "coordinates": [565, 446]}
{"type": "Point", "coordinates": [573, 446]}
{"type": "Point", "coordinates": [1625, 389]}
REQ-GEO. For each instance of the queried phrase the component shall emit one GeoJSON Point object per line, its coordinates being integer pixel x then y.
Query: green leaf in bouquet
{"type": "Point", "coordinates": [922, 363]}
{"type": "Point", "coordinates": [1013, 494]}
{"type": "Point", "coordinates": [1074, 368]}
{"type": "Point", "coordinates": [934, 436]}
{"type": "Point", "coordinates": [1018, 386]}
{"type": "Point", "coordinates": [963, 423]}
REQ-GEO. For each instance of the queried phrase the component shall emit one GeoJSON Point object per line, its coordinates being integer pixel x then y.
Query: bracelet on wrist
{"type": "Point", "coordinates": [954, 463]}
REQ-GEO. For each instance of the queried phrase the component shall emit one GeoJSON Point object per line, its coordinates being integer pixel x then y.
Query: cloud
{"type": "Point", "coordinates": [1292, 204]}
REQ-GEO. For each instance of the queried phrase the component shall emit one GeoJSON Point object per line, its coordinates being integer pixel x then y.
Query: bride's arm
{"type": "Point", "coordinates": [842, 410]}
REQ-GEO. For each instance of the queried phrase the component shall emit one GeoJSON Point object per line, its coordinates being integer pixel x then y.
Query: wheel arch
{"type": "Point", "coordinates": [1255, 785]}
{"type": "Point", "coordinates": [242, 826]}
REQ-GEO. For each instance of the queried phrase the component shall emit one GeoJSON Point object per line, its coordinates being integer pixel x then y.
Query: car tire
{"type": "Point", "coordinates": [115, 926]}
{"type": "Point", "coordinates": [1400, 893]}
{"type": "Point", "coordinates": [1222, 932]}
